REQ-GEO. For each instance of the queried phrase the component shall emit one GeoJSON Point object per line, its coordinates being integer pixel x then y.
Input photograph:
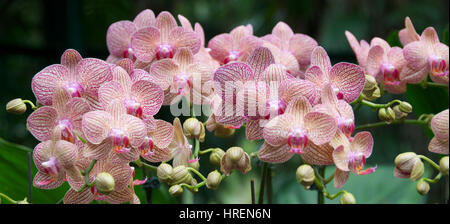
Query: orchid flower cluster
{"type": "Point", "coordinates": [95, 118]}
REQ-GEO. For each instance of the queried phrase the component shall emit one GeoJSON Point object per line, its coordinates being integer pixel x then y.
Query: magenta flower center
{"type": "Point", "coordinates": [128, 53]}
{"type": "Point", "coordinates": [232, 56]}
{"type": "Point", "coordinates": [297, 140]}
{"type": "Point", "coordinates": [356, 162]}
{"type": "Point", "coordinates": [66, 130]}
{"type": "Point", "coordinates": [165, 51]}
{"type": "Point", "coordinates": [181, 84]}
{"type": "Point", "coordinates": [74, 89]}
{"type": "Point", "coordinates": [391, 74]}
{"type": "Point", "coordinates": [338, 93]}
{"type": "Point", "coordinates": [439, 67]}
{"type": "Point", "coordinates": [275, 108]}
{"type": "Point", "coordinates": [347, 126]}
{"type": "Point", "coordinates": [51, 167]}
{"type": "Point", "coordinates": [134, 108]}
{"type": "Point", "coordinates": [120, 140]}
{"type": "Point", "coordinates": [147, 148]}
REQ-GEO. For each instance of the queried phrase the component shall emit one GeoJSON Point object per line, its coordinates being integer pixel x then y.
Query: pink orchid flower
{"type": "Point", "coordinates": [386, 65]}
{"type": "Point", "coordinates": [180, 147]}
{"type": "Point", "coordinates": [339, 109]}
{"type": "Point", "coordinates": [346, 79]}
{"type": "Point", "coordinates": [182, 76]}
{"type": "Point", "coordinates": [360, 49]}
{"type": "Point", "coordinates": [235, 46]}
{"type": "Point", "coordinates": [79, 77]}
{"type": "Point", "coordinates": [350, 156]}
{"type": "Point", "coordinates": [142, 98]}
{"type": "Point", "coordinates": [112, 130]}
{"type": "Point", "coordinates": [155, 146]}
{"type": "Point", "coordinates": [163, 40]}
{"type": "Point", "coordinates": [439, 126]}
{"type": "Point", "coordinates": [408, 34]}
{"type": "Point", "coordinates": [286, 59]}
{"type": "Point", "coordinates": [122, 174]}
{"type": "Point", "coordinates": [289, 43]}
{"type": "Point", "coordinates": [427, 56]}
{"type": "Point", "coordinates": [54, 159]}
{"type": "Point", "coordinates": [65, 113]}
{"type": "Point", "coordinates": [294, 130]}
{"type": "Point", "coordinates": [118, 36]}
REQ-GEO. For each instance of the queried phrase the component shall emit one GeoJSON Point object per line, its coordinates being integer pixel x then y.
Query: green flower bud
{"type": "Point", "coordinates": [443, 165]}
{"type": "Point", "coordinates": [347, 198]}
{"type": "Point", "coordinates": [405, 107]}
{"type": "Point", "coordinates": [235, 154]}
{"type": "Point", "coordinates": [165, 173]}
{"type": "Point", "coordinates": [305, 175]}
{"type": "Point", "coordinates": [175, 190]}
{"type": "Point", "coordinates": [104, 183]}
{"type": "Point", "coordinates": [417, 171]}
{"type": "Point", "coordinates": [386, 114]}
{"type": "Point", "coordinates": [399, 114]}
{"type": "Point", "coordinates": [16, 106]}
{"type": "Point", "coordinates": [422, 187]}
{"type": "Point", "coordinates": [181, 175]}
{"type": "Point", "coordinates": [222, 131]}
{"type": "Point", "coordinates": [193, 128]}
{"type": "Point", "coordinates": [370, 83]}
{"type": "Point", "coordinates": [216, 156]}
{"type": "Point", "coordinates": [195, 165]}
{"type": "Point", "coordinates": [213, 180]}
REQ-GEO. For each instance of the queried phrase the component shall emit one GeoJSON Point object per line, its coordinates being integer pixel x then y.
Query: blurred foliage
{"type": "Point", "coordinates": [34, 33]}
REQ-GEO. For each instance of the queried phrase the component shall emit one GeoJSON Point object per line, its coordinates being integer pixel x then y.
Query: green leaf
{"type": "Point", "coordinates": [445, 36]}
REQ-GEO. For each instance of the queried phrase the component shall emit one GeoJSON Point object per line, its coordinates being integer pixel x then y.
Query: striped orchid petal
{"type": "Point", "coordinates": [302, 46]}
{"type": "Point", "coordinates": [95, 126]}
{"type": "Point", "coordinates": [144, 19]}
{"type": "Point", "coordinates": [318, 154]}
{"type": "Point", "coordinates": [340, 178]}
{"type": "Point", "coordinates": [144, 43]}
{"type": "Point", "coordinates": [44, 82]}
{"type": "Point", "coordinates": [118, 37]}
{"type": "Point", "coordinates": [349, 79]}
{"type": "Point", "coordinates": [220, 46]}
{"type": "Point", "coordinates": [70, 59]}
{"type": "Point", "coordinates": [259, 60]}
{"type": "Point", "coordinates": [408, 34]}
{"type": "Point", "coordinates": [74, 197]}
{"type": "Point", "coordinates": [276, 131]}
{"type": "Point", "coordinates": [439, 125]}
{"type": "Point", "coordinates": [363, 143]}
{"type": "Point", "coordinates": [180, 38]}
{"type": "Point", "coordinates": [438, 146]}
{"type": "Point", "coordinates": [93, 73]}
{"type": "Point", "coordinates": [253, 130]}
{"type": "Point", "coordinates": [321, 127]}
{"type": "Point", "coordinates": [149, 95]}
{"type": "Point", "coordinates": [274, 154]}
{"type": "Point", "coordinates": [41, 122]}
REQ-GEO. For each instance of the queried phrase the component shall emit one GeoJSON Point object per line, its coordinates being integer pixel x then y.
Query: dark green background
{"type": "Point", "coordinates": [34, 33]}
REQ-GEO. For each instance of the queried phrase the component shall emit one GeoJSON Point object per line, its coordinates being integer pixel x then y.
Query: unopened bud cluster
{"type": "Point", "coordinates": [371, 90]}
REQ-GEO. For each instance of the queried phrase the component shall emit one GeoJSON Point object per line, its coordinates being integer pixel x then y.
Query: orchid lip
{"type": "Point", "coordinates": [297, 140]}
{"type": "Point", "coordinates": [439, 67]}
{"type": "Point", "coordinates": [275, 108]}
{"type": "Point", "coordinates": [391, 74]}
{"type": "Point", "coordinates": [66, 130]}
{"type": "Point", "coordinates": [339, 94]}
{"type": "Point", "coordinates": [165, 51]}
{"type": "Point", "coordinates": [120, 141]}
{"type": "Point", "coordinates": [232, 56]}
{"type": "Point", "coordinates": [51, 166]}
{"type": "Point", "coordinates": [347, 126]}
{"type": "Point", "coordinates": [147, 148]}
{"type": "Point", "coordinates": [134, 108]}
{"type": "Point", "coordinates": [181, 83]}
{"type": "Point", "coordinates": [128, 53]}
{"type": "Point", "coordinates": [74, 89]}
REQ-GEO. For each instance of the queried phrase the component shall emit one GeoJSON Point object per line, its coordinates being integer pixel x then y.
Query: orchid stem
{"type": "Point", "coordinates": [202, 152]}
{"type": "Point", "coordinates": [86, 176]}
{"type": "Point", "coordinates": [321, 193]}
{"type": "Point", "coordinates": [252, 190]}
{"type": "Point", "coordinates": [33, 107]}
{"type": "Point", "coordinates": [8, 198]}
{"type": "Point", "coordinates": [333, 196]}
{"type": "Point", "coordinates": [384, 123]}
{"type": "Point", "coordinates": [430, 162]}
{"type": "Point", "coordinates": [151, 167]}
{"type": "Point", "coordinates": [262, 184]}
{"type": "Point", "coordinates": [329, 179]}
{"type": "Point", "coordinates": [375, 105]}
{"type": "Point", "coordinates": [434, 180]}
{"type": "Point", "coordinates": [196, 172]}
{"type": "Point", "coordinates": [196, 148]}
{"type": "Point", "coordinates": [433, 84]}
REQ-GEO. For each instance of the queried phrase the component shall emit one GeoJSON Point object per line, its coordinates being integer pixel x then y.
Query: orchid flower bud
{"type": "Point", "coordinates": [423, 187]}
{"type": "Point", "coordinates": [399, 114]}
{"type": "Point", "coordinates": [370, 83]}
{"type": "Point", "coordinates": [181, 175]}
{"type": "Point", "coordinates": [305, 175]}
{"type": "Point", "coordinates": [235, 153]}
{"type": "Point", "coordinates": [104, 183]}
{"type": "Point", "coordinates": [165, 173]}
{"type": "Point", "coordinates": [195, 165]}
{"type": "Point", "coordinates": [386, 114]}
{"type": "Point", "coordinates": [23, 202]}
{"type": "Point", "coordinates": [405, 107]}
{"type": "Point", "coordinates": [417, 171]}
{"type": "Point", "coordinates": [222, 131]}
{"type": "Point", "coordinates": [347, 198]}
{"type": "Point", "coordinates": [372, 94]}
{"type": "Point", "coordinates": [443, 165]}
{"type": "Point", "coordinates": [235, 158]}
{"type": "Point", "coordinates": [216, 156]}
{"type": "Point", "coordinates": [16, 106]}
{"type": "Point", "coordinates": [175, 190]}
{"type": "Point", "coordinates": [193, 128]}
{"type": "Point", "coordinates": [404, 166]}
{"type": "Point", "coordinates": [213, 180]}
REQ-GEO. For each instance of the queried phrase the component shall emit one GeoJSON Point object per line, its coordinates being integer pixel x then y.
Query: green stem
{"type": "Point", "coordinates": [196, 172]}
{"type": "Point", "coordinates": [202, 152]}
{"type": "Point", "coordinates": [426, 84]}
{"type": "Point", "coordinates": [430, 162]}
{"type": "Point", "coordinates": [384, 123]}
{"type": "Point", "coordinates": [333, 196]}
{"type": "Point", "coordinates": [329, 179]}
{"type": "Point", "coordinates": [86, 176]}
{"type": "Point", "coordinates": [269, 185]}
{"type": "Point", "coordinates": [262, 184]}
{"type": "Point", "coordinates": [320, 194]}
{"type": "Point", "coordinates": [33, 107]}
{"type": "Point", "coordinates": [196, 148]}
{"type": "Point", "coordinates": [151, 167]}
{"type": "Point", "coordinates": [8, 198]}
{"type": "Point", "coordinates": [375, 105]}
{"type": "Point", "coordinates": [434, 180]}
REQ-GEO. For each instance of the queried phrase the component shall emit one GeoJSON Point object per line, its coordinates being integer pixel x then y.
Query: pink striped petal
{"type": "Point", "coordinates": [340, 139]}
{"type": "Point", "coordinates": [109, 92]}
{"type": "Point", "coordinates": [319, 57]}
{"type": "Point", "coordinates": [165, 22]}
{"type": "Point", "coordinates": [298, 107]}
{"type": "Point", "coordinates": [135, 128]}
{"type": "Point", "coordinates": [184, 57]}
{"type": "Point", "coordinates": [95, 125]}
{"type": "Point", "coordinates": [122, 174]}
{"type": "Point", "coordinates": [374, 61]}
{"type": "Point", "coordinates": [144, 19]}
{"type": "Point", "coordinates": [318, 154]}
{"type": "Point", "coordinates": [340, 178]}
{"type": "Point", "coordinates": [66, 153]}
{"type": "Point", "coordinates": [144, 42]}
{"type": "Point", "coordinates": [75, 197]}
{"type": "Point", "coordinates": [44, 82]}
{"type": "Point", "coordinates": [416, 55]}
{"type": "Point", "coordinates": [160, 155]}
{"type": "Point", "coordinates": [439, 125]}
{"type": "Point", "coordinates": [284, 32]}
{"type": "Point", "coordinates": [395, 57]}
{"type": "Point", "coordinates": [354, 44]}
{"type": "Point", "coordinates": [302, 46]}
{"type": "Point", "coordinates": [118, 197]}
{"type": "Point", "coordinates": [438, 146]}
{"type": "Point", "coordinates": [139, 74]}
{"type": "Point", "coordinates": [70, 59]}
{"type": "Point", "coordinates": [276, 131]}
{"type": "Point", "coordinates": [149, 95]}
{"type": "Point", "coordinates": [396, 89]}
{"type": "Point", "coordinates": [238, 33]}
{"type": "Point", "coordinates": [253, 130]}
{"type": "Point", "coordinates": [271, 154]}
{"type": "Point", "coordinates": [41, 153]}
{"type": "Point", "coordinates": [45, 181]}
{"type": "Point", "coordinates": [340, 158]}
{"type": "Point", "coordinates": [259, 60]}
{"type": "Point", "coordinates": [118, 37]}
{"type": "Point", "coordinates": [163, 134]}
{"type": "Point", "coordinates": [179, 37]}
{"type": "Point", "coordinates": [315, 75]}
{"type": "Point", "coordinates": [292, 88]}
{"type": "Point", "coordinates": [221, 46]}
{"type": "Point", "coordinates": [380, 42]}
{"type": "Point", "coordinates": [201, 34]}
{"type": "Point", "coordinates": [410, 75]}
{"type": "Point", "coordinates": [76, 108]}
{"type": "Point", "coordinates": [349, 79]}
{"type": "Point", "coordinates": [363, 143]}
{"type": "Point", "coordinates": [274, 74]}
{"type": "Point", "coordinates": [247, 45]}
{"type": "Point", "coordinates": [185, 23]}
{"type": "Point", "coordinates": [163, 71]}
{"type": "Point", "coordinates": [126, 64]}
{"type": "Point", "coordinates": [92, 98]}
{"type": "Point", "coordinates": [321, 127]}
{"type": "Point", "coordinates": [98, 151]}
{"type": "Point", "coordinates": [121, 76]}
{"type": "Point", "coordinates": [408, 34]}
{"type": "Point", "coordinates": [41, 122]}
{"type": "Point", "coordinates": [93, 73]}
